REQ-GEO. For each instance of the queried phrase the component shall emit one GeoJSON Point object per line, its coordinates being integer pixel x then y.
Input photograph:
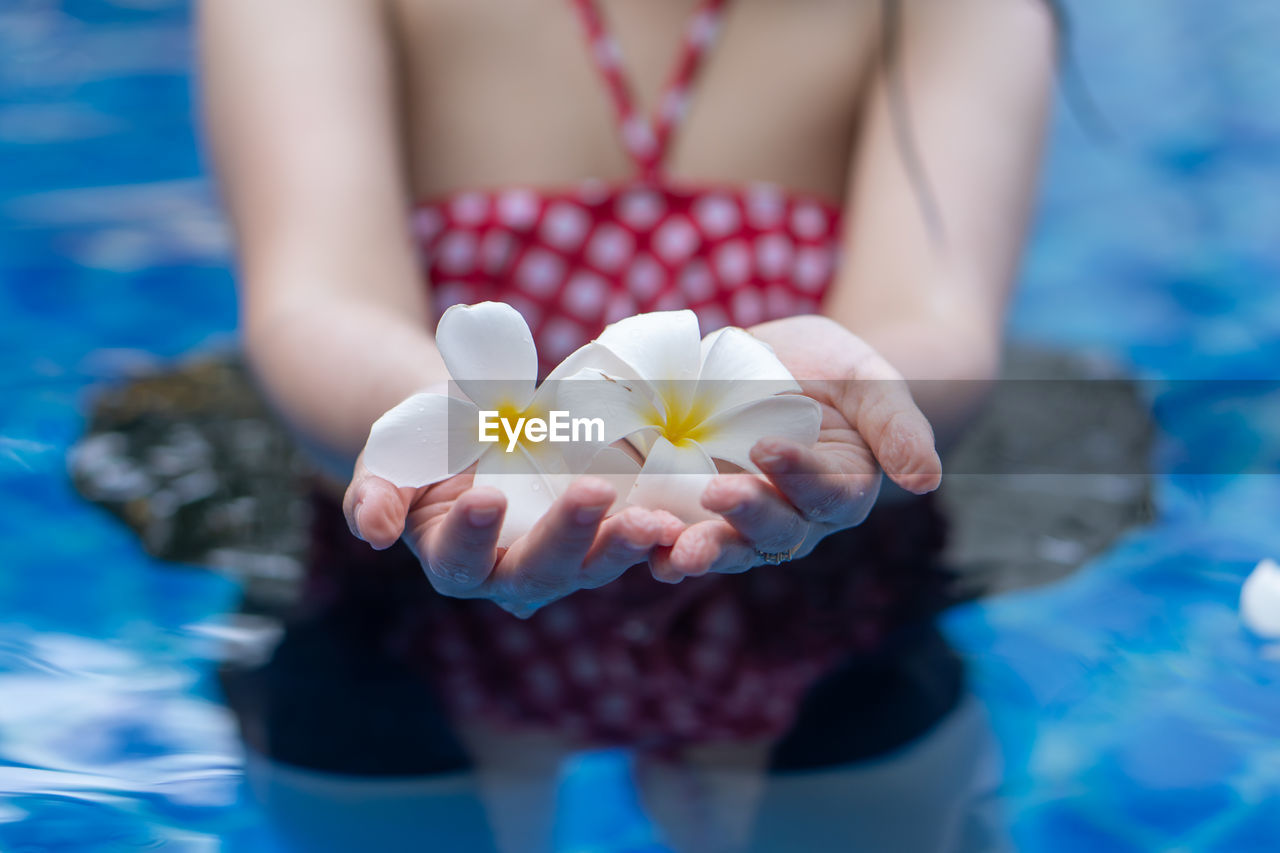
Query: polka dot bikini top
{"type": "Point", "coordinates": [574, 260]}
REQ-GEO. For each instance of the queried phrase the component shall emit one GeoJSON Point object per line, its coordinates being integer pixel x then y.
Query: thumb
{"type": "Point", "coordinates": [375, 508]}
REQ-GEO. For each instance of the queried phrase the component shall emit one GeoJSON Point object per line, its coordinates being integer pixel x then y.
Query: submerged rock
{"type": "Point", "coordinates": [1050, 474]}
{"type": "Point", "coordinates": [192, 460]}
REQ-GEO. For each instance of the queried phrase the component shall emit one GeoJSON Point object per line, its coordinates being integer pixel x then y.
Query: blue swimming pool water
{"type": "Point", "coordinates": [1131, 710]}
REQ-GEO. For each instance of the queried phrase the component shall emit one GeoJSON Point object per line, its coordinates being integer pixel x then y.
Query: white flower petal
{"type": "Point", "coordinates": [490, 353]}
{"type": "Point", "coordinates": [618, 469]}
{"type": "Point", "coordinates": [730, 435]}
{"type": "Point", "coordinates": [552, 457]}
{"type": "Point", "coordinates": [594, 356]}
{"type": "Point", "coordinates": [663, 347]}
{"type": "Point", "coordinates": [709, 341]}
{"type": "Point", "coordinates": [674, 478]}
{"type": "Point", "coordinates": [738, 368]}
{"type": "Point", "coordinates": [643, 441]}
{"type": "Point", "coordinates": [1260, 600]}
{"type": "Point", "coordinates": [423, 440]}
{"type": "Point", "coordinates": [610, 464]}
{"type": "Point", "coordinates": [555, 457]}
{"type": "Point", "coordinates": [625, 405]}
{"type": "Point", "coordinates": [593, 362]}
{"type": "Point", "coordinates": [529, 492]}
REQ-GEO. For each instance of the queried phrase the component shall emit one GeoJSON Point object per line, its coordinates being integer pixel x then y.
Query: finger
{"type": "Point", "coordinates": [462, 547]}
{"type": "Point", "coordinates": [546, 563]}
{"type": "Point", "coordinates": [756, 510]}
{"type": "Point", "coordinates": [727, 552]}
{"type": "Point", "coordinates": [824, 486]}
{"type": "Point", "coordinates": [690, 556]}
{"type": "Point", "coordinates": [878, 403]}
{"type": "Point", "coordinates": [708, 546]}
{"type": "Point", "coordinates": [660, 566]}
{"type": "Point", "coordinates": [375, 508]}
{"type": "Point", "coordinates": [673, 529]}
{"type": "Point", "coordinates": [623, 541]}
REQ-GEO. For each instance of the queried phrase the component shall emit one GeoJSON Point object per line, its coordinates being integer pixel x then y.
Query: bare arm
{"type": "Point", "coordinates": [976, 78]}
{"type": "Point", "coordinates": [299, 100]}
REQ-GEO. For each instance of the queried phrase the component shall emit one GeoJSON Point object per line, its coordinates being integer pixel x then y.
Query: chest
{"type": "Point", "coordinates": [501, 92]}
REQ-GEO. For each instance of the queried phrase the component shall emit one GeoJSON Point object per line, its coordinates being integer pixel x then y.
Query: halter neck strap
{"type": "Point", "coordinates": [647, 138]}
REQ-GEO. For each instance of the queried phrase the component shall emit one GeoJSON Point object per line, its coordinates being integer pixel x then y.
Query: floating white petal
{"type": "Point", "coordinates": [1260, 600]}
{"type": "Point", "coordinates": [490, 353]}
{"type": "Point", "coordinates": [423, 440]}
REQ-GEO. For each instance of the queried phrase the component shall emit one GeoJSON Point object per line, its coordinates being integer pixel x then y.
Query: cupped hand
{"type": "Point", "coordinates": [453, 529]}
{"type": "Point", "coordinates": [869, 425]}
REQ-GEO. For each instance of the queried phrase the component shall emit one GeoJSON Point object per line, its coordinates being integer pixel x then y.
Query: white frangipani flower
{"type": "Point", "coordinates": [1260, 600]}
{"type": "Point", "coordinates": [490, 354]}
{"type": "Point", "coordinates": [685, 402]}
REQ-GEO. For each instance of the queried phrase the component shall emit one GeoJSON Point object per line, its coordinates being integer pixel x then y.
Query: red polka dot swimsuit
{"type": "Point", "coordinates": [573, 261]}
{"type": "Point", "coordinates": [639, 662]}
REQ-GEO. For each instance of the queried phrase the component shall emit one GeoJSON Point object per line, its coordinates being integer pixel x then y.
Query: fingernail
{"type": "Point", "coordinates": [774, 462]}
{"type": "Point", "coordinates": [482, 516]}
{"type": "Point", "coordinates": [635, 547]}
{"type": "Point", "coordinates": [355, 514]}
{"type": "Point", "coordinates": [589, 514]}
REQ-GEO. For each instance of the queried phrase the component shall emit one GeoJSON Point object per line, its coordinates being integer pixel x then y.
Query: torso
{"type": "Point", "coordinates": [527, 194]}
{"type": "Point", "coordinates": [583, 208]}
{"type": "Point", "coordinates": [504, 93]}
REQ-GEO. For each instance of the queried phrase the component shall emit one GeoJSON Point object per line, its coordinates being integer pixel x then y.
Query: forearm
{"type": "Point", "coordinates": [950, 362]}
{"type": "Point", "coordinates": [331, 365]}
{"type": "Point", "coordinates": [932, 253]}
{"type": "Point", "coordinates": [305, 134]}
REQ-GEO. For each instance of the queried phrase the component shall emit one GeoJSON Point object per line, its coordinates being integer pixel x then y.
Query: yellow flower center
{"type": "Point", "coordinates": [512, 421]}
{"type": "Point", "coordinates": [510, 414]}
{"type": "Point", "coordinates": [684, 422]}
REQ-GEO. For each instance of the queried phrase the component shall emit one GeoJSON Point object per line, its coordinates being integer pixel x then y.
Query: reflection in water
{"type": "Point", "coordinates": [320, 812]}
{"type": "Point", "coordinates": [783, 679]}
{"type": "Point", "coordinates": [937, 793]}
{"type": "Point", "coordinates": [885, 752]}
